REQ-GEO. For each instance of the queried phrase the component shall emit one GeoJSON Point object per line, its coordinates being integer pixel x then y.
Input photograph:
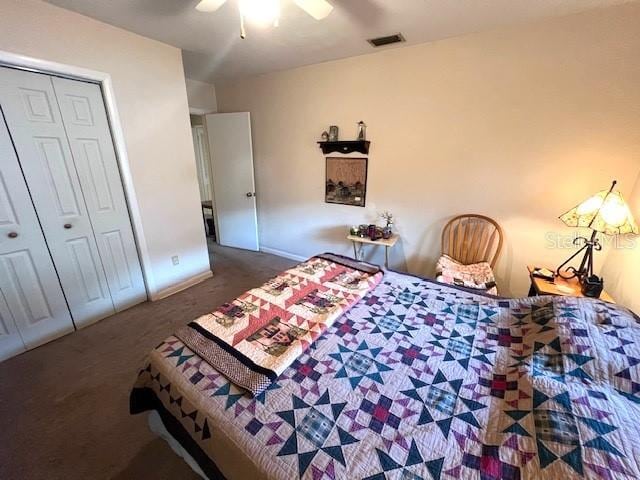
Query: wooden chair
{"type": "Point", "coordinates": [471, 239]}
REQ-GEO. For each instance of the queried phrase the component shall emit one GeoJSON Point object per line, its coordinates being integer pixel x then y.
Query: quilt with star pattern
{"type": "Point", "coordinates": [421, 380]}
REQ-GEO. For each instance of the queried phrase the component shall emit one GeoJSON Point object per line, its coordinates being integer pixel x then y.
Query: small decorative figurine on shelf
{"type": "Point", "coordinates": [354, 230]}
{"type": "Point", "coordinates": [325, 136]}
{"type": "Point", "coordinates": [362, 130]}
{"type": "Point", "coordinates": [333, 133]}
{"type": "Point", "coordinates": [363, 230]}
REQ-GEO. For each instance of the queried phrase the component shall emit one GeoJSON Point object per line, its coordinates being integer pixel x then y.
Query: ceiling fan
{"type": "Point", "coordinates": [266, 11]}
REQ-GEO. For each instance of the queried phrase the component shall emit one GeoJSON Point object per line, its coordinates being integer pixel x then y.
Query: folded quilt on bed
{"type": "Point", "coordinates": [254, 338]}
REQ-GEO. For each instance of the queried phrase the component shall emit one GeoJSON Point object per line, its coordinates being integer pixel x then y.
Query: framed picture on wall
{"type": "Point", "coordinates": [346, 180]}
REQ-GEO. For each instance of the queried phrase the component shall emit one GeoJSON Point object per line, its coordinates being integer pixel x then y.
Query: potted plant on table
{"type": "Point", "coordinates": [387, 230]}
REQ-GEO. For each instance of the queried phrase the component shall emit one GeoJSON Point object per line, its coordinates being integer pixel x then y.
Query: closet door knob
{"type": "Point", "coordinates": [67, 226]}
{"type": "Point", "coordinates": [12, 234]}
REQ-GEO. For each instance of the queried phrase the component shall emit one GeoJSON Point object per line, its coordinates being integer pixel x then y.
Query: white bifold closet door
{"type": "Point", "coordinates": [32, 307]}
{"type": "Point", "coordinates": [63, 143]}
{"type": "Point", "coordinates": [85, 121]}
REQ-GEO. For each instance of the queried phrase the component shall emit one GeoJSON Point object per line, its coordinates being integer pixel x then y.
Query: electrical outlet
{"type": "Point", "coordinates": [175, 259]}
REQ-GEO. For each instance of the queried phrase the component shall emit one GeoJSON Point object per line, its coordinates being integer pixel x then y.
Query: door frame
{"type": "Point", "coordinates": [201, 131]}
{"type": "Point", "coordinates": [23, 62]}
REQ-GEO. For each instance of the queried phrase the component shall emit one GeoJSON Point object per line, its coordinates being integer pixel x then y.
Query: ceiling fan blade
{"type": "Point", "coordinates": [209, 5]}
{"type": "Point", "coordinates": [318, 9]}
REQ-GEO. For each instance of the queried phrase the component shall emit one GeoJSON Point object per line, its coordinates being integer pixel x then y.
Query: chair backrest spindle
{"type": "Point", "coordinates": [472, 238]}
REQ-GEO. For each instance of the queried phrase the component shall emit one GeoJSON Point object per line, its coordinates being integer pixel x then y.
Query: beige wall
{"type": "Point", "coordinates": [621, 271]}
{"type": "Point", "coordinates": [202, 96]}
{"type": "Point", "coordinates": [519, 124]}
{"type": "Point", "coordinates": [149, 85]}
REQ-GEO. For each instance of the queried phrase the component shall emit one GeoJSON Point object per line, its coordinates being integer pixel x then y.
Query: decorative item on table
{"type": "Point", "coordinates": [324, 137]}
{"type": "Point", "coordinates": [362, 130]}
{"type": "Point", "coordinates": [387, 230]}
{"type": "Point", "coordinates": [354, 230]}
{"type": "Point", "coordinates": [543, 273]}
{"type": "Point", "coordinates": [388, 218]}
{"type": "Point", "coordinates": [333, 133]}
{"type": "Point", "coordinates": [374, 232]}
{"type": "Point", "coordinates": [592, 286]}
{"type": "Point", "coordinates": [346, 181]}
{"type": "Point", "coordinates": [363, 230]}
{"type": "Point", "coordinates": [605, 212]}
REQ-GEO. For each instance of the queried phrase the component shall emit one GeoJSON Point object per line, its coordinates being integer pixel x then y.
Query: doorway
{"type": "Point", "coordinates": [224, 161]}
{"type": "Point", "coordinates": [203, 168]}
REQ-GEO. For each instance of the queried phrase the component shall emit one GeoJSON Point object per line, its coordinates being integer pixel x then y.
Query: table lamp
{"type": "Point", "coordinates": [605, 212]}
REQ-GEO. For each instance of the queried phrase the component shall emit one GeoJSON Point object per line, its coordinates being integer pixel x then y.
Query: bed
{"type": "Point", "coordinates": [418, 380]}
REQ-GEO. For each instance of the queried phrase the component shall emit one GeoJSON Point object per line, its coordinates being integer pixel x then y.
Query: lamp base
{"type": "Point", "coordinates": [586, 266]}
{"type": "Point", "coordinates": [592, 286]}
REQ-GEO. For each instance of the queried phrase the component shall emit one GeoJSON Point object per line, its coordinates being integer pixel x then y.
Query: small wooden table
{"type": "Point", "coordinates": [360, 242]}
{"type": "Point", "coordinates": [561, 287]}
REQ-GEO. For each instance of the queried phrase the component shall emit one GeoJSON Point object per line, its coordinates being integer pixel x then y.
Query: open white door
{"type": "Point", "coordinates": [233, 181]}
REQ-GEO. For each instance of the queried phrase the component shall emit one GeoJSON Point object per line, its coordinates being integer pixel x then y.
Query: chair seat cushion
{"type": "Point", "coordinates": [477, 275]}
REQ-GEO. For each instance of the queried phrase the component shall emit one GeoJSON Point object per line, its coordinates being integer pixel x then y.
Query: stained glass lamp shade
{"type": "Point", "coordinates": [605, 212]}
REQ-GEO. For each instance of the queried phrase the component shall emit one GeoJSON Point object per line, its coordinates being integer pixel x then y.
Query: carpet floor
{"type": "Point", "coordinates": [64, 405]}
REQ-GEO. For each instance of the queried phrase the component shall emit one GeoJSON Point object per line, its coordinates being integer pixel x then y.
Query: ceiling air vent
{"type": "Point", "coordinates": [388, 40]}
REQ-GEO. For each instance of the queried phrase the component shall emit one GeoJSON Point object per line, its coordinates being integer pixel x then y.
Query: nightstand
{"type": "Point", "coordinates": [561, 287]}
{"type": "Point", "coordinates": [360, 242]}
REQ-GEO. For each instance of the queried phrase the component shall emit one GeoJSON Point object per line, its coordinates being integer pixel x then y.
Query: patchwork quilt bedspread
{"type": "Point", "coordinates": [421, 380]}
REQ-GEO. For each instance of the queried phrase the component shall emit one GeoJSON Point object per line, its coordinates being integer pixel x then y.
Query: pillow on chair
{"type": "Point", "coordinates": [477, 275]}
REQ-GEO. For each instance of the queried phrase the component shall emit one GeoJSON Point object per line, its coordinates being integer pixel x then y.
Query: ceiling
{"type": "Point", "coordinates": [213, 50]}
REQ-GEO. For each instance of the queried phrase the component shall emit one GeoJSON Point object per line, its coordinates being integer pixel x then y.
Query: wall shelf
{"type": "Point", "coordinates": [350, 146]}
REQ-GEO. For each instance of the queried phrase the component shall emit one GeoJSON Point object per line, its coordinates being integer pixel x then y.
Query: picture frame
{"type": "Point", "coordinates": [346, 180]}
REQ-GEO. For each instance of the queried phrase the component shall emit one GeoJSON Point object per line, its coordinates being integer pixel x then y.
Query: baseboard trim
{"type": "Point", "coordinates": [282, 253]}
{"type": "Point", "coordinates": [167, 292]}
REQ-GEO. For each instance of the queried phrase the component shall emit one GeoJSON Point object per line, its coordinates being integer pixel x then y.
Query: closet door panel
{"type": "Point", "coordinates": [86, 124]}
{"type": "Point", "coordinates": [10, 340]}
{"type": "Point", "coordinates": [35, 124]}
{"type": "Point", "coordinates": [33, 309]}
{"type": "Point", "coordinates": [57, 175]}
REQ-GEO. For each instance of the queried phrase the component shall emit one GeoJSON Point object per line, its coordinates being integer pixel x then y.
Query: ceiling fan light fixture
{"type": "Point", "coordinates": [318, 9]}
{"type": "Point", "coordinates": [208, 6]}
{"type": "Point", "coordinates": [261, 12]}
{"type": "Point", "coordinates": [266, 12]}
